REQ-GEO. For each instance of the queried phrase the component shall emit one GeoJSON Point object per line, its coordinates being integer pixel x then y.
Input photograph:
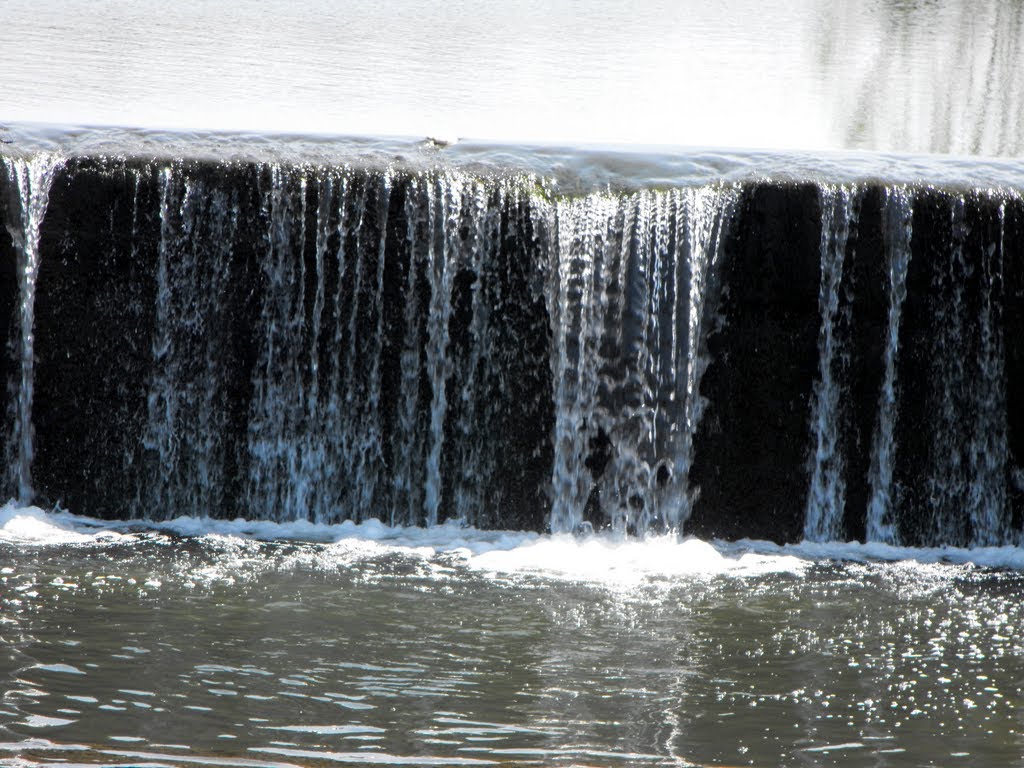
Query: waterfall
{"type": "Point", "coordinates": [629, 327]}
{"type": "Point", "coordinates": [322, 342]}
{"type": "Point", "coordinates": [33, 178]}
{"type": "Point", "coordinates": [584, 245]}
{"type": "Point", "coordinates": [185, 449]}
{"type": "Point", "coordinates": [987, 449]}
{"type": "Point", "coordinates": [897, 230]}
{"type": "Point", "coordinates": [827, 497]}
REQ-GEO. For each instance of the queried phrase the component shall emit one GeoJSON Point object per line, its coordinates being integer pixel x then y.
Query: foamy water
{"type": "Point", "coordinates": [594, 558]}
{"type": "Point", "coordinates": [257, 644]}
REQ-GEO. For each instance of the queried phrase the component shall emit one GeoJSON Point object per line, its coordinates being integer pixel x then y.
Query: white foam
{"type": "Point", "coordinates": [625, 561]}
{"type": "Point", "coordinates": [1008, 557]}
{"type": "Point", "coordinates": [325, 730]}
{"type": "Point", "coordinates": [601, 558]}
{"type": "Point", "coordinates": [32, 525]}
{"type": "Point", "coordinates": [41, 721]}
{"type": "Point", "coordinates": [370, 758]}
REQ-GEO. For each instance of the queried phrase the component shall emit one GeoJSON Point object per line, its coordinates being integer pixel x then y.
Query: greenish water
{"type": "Point", "coordinates": [152, 648]}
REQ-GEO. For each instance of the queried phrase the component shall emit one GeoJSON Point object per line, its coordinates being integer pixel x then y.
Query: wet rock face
{"type": "Point", "coordinates": [333, 343]}
{"type": "Point", "coordinates": [93, 335]}
{"type": "Point", "coordinates": [750, 447]}
{"type": "Point", "coordinates": [8, 313]}
{"type": "Point", "coordinates": [958, 441]}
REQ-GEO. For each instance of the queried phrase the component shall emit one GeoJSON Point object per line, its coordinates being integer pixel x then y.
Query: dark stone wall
{"type": "Point", "coordinates": [9, 298]}
{"type": "Point", "coordinates": [1012, 246]}
{"type": "Point", "coordinates": [750, 448]}
{"type": "Point", "coordinates": [94, 300]}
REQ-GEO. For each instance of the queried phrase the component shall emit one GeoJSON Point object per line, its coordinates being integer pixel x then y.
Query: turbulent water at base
{"type": "Point", "coordinates": [192, 643]}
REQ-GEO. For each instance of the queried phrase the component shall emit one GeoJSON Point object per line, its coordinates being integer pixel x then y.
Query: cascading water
{"type": "Point", "coordinates": [631, 297]}
{"type": "Point", "coordinates": [329, 343]}
{"type": "Point", "coordinates": [357, 335]}
{"type": "Point", "coordinates": [33, 178]}
{"type": "Point", "coordinates": [967, 461]}
{"type": "Point", "coordinates": [826, 500]}
{"type": "Point", "coordinates": [184, 446]}
{"type": "Point", "coordinates": [898, 229]}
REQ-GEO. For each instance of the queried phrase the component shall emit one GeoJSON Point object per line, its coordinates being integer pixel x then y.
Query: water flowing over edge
{"type": "Point", "coordinates": [576, 169]}
{"type": "Point", "coordinates": [627, 297]}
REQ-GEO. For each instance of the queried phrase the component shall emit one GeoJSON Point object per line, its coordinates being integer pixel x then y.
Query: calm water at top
{"type": "Point", "coordinates": [457, 647]}
{"type": "Point", "coordinates": [911, 75]}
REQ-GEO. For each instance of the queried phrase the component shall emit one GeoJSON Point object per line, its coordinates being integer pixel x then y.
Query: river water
{"type": "Point", "coordinates": [918, 76]}
{"type": "Point", "coordinates": [250, 644]}
{"type": "Point", "coordinates": [258, 644]}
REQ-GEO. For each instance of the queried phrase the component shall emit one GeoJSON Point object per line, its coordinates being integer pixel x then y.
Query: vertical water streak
{"type": "Point", "coordinates": [897, 230]}
{"type": "Point", "coordinates": [580, 238]}
{"type": "Point", "coordinates": [277, 488]}
{"type": "Point", "coordinates": [947, 478]}
{"type": "Point", "coordinates": [987, 448]}
{"type": "Point", "coordinates": [473, 465]}
{"type": "Point", "coordinates": [185, 441]}
{"type": "Point", "coordinates": [408, 440]}
{"type": "Point", "coordinates": [707, 213]}
{"type": "Point", "coordinates": [827, 496]}
{"type": "Point", "coordinates": [357, 448]}
{"type": "Point", "coordinates": [34, 178]}
{"type": "Point", "coordinates": [631, 425]}
{"type": "Point", "coordinates": [161, 402]}
{"type": "Point", "coordinates": [336, 415]}
{"type": "Point", "coordinates": [372, 438]}
{"type": "Point", "coordinates": [443, 249]}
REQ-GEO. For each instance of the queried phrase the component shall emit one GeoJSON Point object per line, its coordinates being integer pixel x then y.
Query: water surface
{"type": "Point", "coordinates": [918, 76]}
{"type": "Point", "coordinates": [460, 647]}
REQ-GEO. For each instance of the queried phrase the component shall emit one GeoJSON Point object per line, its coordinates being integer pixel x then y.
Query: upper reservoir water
{"type": "Point", "coordinates": [887, 75]}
